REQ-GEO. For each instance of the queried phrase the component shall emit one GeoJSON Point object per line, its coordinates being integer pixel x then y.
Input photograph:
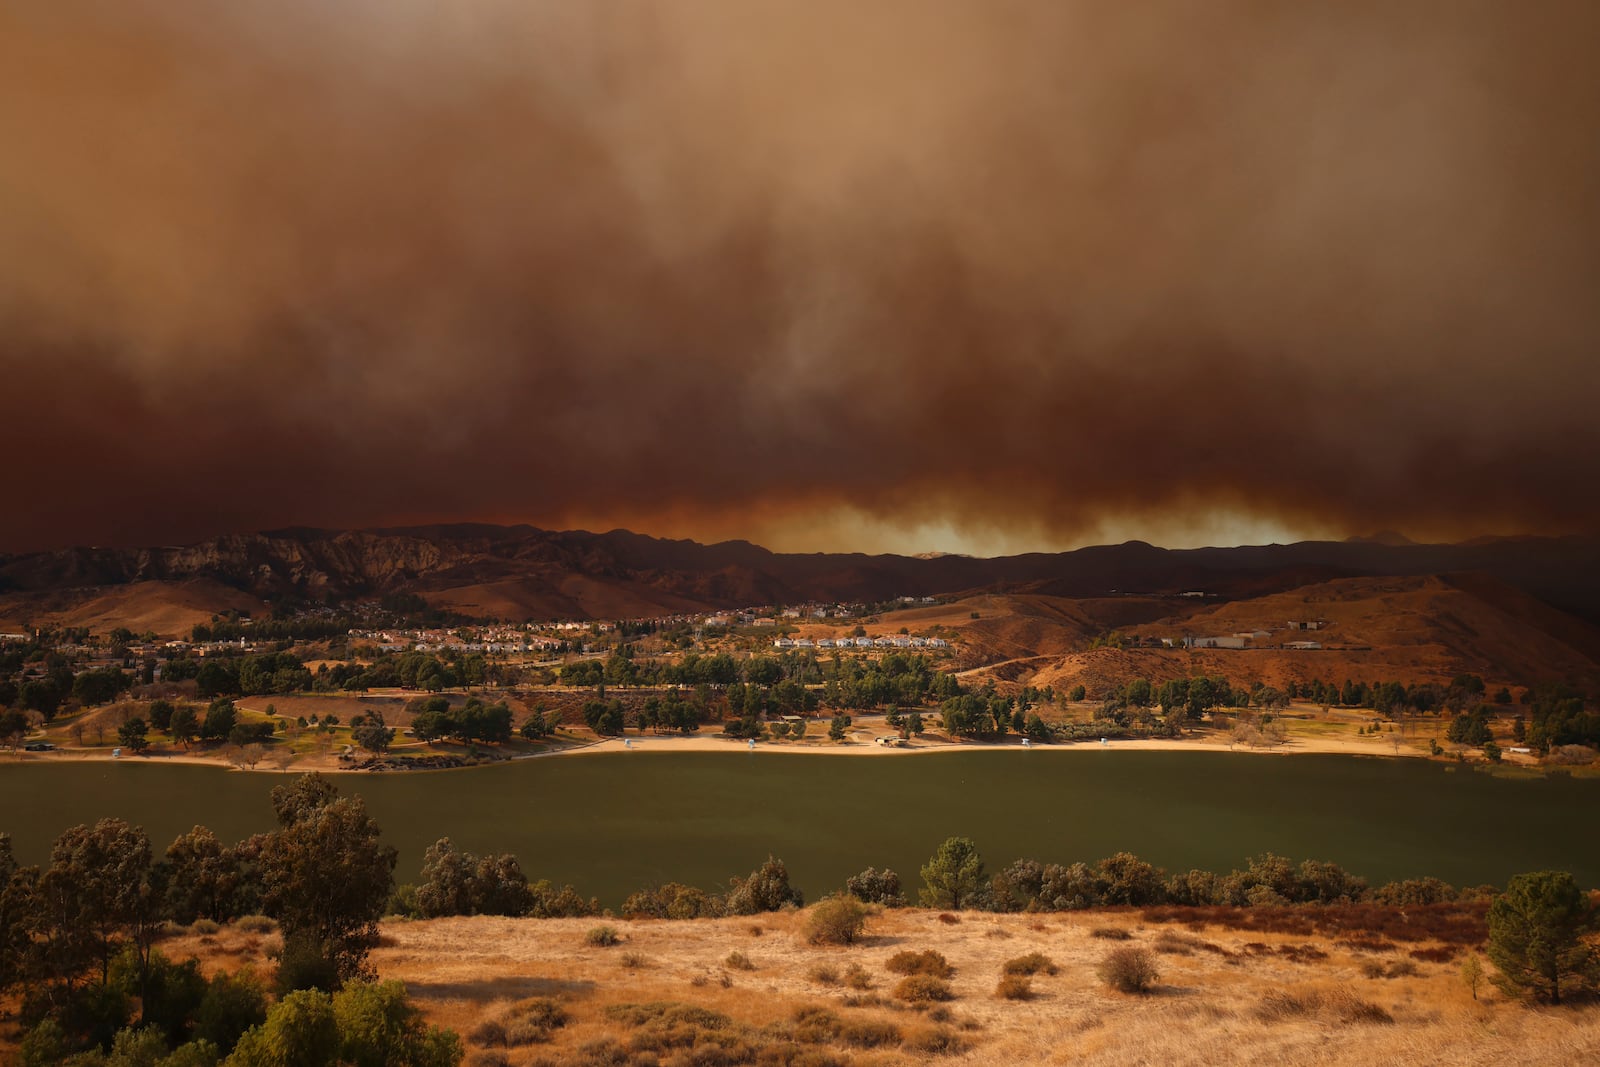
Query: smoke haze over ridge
{"type": "Point", "coordinates": [1015, 272]}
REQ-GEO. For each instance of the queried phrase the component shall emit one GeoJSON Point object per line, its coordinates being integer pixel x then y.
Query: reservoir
{"type": "Point", "coordinates": [610, 824]}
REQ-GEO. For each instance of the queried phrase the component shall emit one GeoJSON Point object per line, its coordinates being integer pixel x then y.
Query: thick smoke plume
{"type": "Point", "coordinates": [746, 265]}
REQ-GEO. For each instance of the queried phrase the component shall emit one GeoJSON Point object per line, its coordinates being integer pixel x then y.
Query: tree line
{"type": "Point", "coordinates": [79, 937]}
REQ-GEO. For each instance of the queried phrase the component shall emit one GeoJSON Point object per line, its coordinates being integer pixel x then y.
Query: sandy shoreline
{"type": "Point", "coordinates": [869, 748]}
{"type": "Point", "coordinates": [857, 746]}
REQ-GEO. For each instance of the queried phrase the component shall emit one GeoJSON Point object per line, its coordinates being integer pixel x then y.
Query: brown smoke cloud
{"type": "Point", "coordinates": [718, 267]}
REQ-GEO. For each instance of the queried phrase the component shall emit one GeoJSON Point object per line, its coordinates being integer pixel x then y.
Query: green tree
{"type": "Point", "coordinates": [373, 736]}
{"type": "Point", "coordinates": [1536, 937]}
{"type": "Point", "coordinates": [378, 1028]}
{"type": "Point", "coordinates": [221, 717]}
{"type": "Point", "coordinates": [447, 876]}
{"type": "Point", "coordinates": [134, 735]}
{"type": "Point", "coordinates": [13, 728]}
{"type": "Point", "coordinates": [325, 873]}
{"type": "Point", "coordinates": [836, 729]}
{"type": "Point", "coordinates": [17, 908]}
{"type": "Point", "coordinates": [183, 726]}
{"type": "Point", "coordinates": [94, 893]}
{"type": "Point", "coordinates": [203, 878]}
{"type": "Point", "coordinates": [954, 876]}
{"type": "Point", "coordinates": [766, 889]}
{"type": "Point", "coordinates": [42, 695]}
{"type": "Point", "coordinates": [300, 1031]}
{"type": "Point", "coordinates": [233, 1003]}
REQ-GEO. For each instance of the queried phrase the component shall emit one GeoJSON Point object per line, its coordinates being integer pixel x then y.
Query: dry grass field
{"type": "Point", "coordinates": [753, 990]}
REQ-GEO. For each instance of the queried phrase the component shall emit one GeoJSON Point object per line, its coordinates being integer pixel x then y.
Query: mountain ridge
{"type": "Point", "coordinates": [664, 576]}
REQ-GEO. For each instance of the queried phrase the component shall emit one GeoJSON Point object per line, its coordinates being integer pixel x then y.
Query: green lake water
{"type": "Point", "coordinates": [609, 824]}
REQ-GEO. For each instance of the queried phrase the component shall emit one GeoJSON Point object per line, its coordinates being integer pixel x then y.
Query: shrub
{"type": "Point", "coordinates": [1282, 1004]}
{"type": "Point", "coordinates": [602, 937]}
{"type": "Point", "coordinates": [487, 1033]}
{"type": "Point", "coordinates": [1032, 963]}
{"type": "Point", "coordinates": [836, 921]}
{"type": "Point", "coordinates": [856, 977]}
{"type": "Point", "coordinates": [935, 1041]}
{"type": "Point", "coordinates": [766, 889]}
{"type": "Point", "coordinates": [815, 1026]}
{"type": "Point", "coordinates": [205, 926]}
{"type": "Point", "coordinates": [869, 1033]}
{"type": "Point", "coordinates": [1128, 970]}
{"type": "Point", "coordinates": [635, 960]}
{"type": "Point", "coordinates": [302, 964]}
{"type": "Point", "coordinates": [254, 924]}
{"type": "Point", "coordinates": [1111, 933]}
{"type": "Point", "coordinates": [1015, 987]}
{"type": "Point", "coordinates": [232, 1004]}
{"type": "Point", "coordinates": [876, 887]}
{"type": "Point", "coordinates": [823, 974]}
{"type": "Point", "coordinates": [738, 961]}
{"type": "Point", "coordinates": [922, 989]}
{"type": "Point", "coordinates": [532, 1020]}
{"type": "Point", "coordinates": [928, 962]}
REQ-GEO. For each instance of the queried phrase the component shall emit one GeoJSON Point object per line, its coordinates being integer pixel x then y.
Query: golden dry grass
{"type": "Point", "coordinates": [1223, 996]}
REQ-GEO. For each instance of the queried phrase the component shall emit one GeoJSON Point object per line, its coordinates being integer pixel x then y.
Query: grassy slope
{"type": "Point", "coordinates": [1224, 996]}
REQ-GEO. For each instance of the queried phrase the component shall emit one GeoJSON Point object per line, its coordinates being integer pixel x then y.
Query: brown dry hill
{"type": "Point", "coordinates": [753, 990]}
{"type": "Point", "coordinates": [167, 608]}
{"type": "Point", "coordinates": [1413, 629]}
{"type": "Point", "coordinates": [317, 564]}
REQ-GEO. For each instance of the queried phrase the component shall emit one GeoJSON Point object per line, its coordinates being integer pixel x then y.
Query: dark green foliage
{"type": "Point", "coordinates": [97, 890]}
{"type": "Point", "coordinates": [169, 993]}
{"type": "Point", "coordinates": [1536, 937]}
{"type": "Point", "coordinates": [300, 1031]}
{"type": "Point", "coordinates": [1414, 891]}
{"type": "Point", "coordinates": [672, 901]}
{"type": "Point", "coordinates": [184, 726]}
{"type": "Point", "coordinates": [231, 1005]}
{"type": "Point", "coordinates": [458, 883]}
{"type": "Point", "coordinates": [160, 713]}
{"type": "Point", "coordinates": [548, 902]}
{"type": "Point", "coordinates": [98, 687]}
{"type": "Point", "coordinates": [954, 877]}
{"type": "Point", "coordinates": [43, 695]}
{"type": "Point", "coordinates": [876, 887]}
{"type": "Point", "coordinates": [472, 722]}
{"type": "Point", "coordinates": [325, 874]}
{"type": "Point", "coordinates": [1471, 730]}
{"type": "Point", "coordinates": [766, 889]}
{"type": "Point", "coordinates": [221, 717]}
{"type": "Point", "coordinates": [134, 735]}
{"type": "Point", "coordinates": [377, 1027]}
{"type": "Point", "coordinates": [204, 880]}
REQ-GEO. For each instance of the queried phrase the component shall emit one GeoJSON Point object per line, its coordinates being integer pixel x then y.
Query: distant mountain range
{"type": "Point", "coordinates": [524, 572]}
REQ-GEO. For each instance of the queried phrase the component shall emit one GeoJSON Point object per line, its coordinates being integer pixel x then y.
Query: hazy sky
{"type": "Point", "coordinates": [977, 276]}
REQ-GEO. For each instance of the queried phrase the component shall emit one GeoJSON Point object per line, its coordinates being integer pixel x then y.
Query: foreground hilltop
{"type": "Point", "coordinates": [1295, 990]}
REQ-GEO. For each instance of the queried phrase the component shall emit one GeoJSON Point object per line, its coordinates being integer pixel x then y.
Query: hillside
{"type": "Point", "coordinates": [1022, 619]}
{"type": "Point", "coordinates": [1411, 628]}
{"type": "Point", "coordinates": [521, 571]}
{"type": "Point", "coordinates": [752, 990]}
